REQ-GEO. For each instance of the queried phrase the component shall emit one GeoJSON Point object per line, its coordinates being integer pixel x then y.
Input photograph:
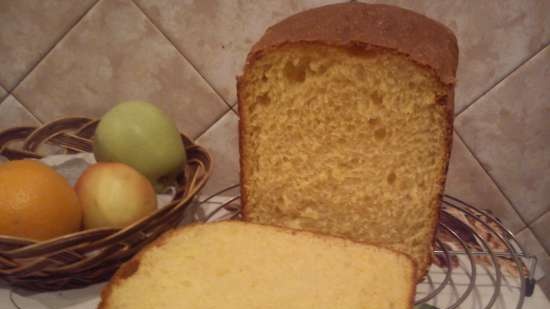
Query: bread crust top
{"type": "Point", "coordinates": [425, 41]}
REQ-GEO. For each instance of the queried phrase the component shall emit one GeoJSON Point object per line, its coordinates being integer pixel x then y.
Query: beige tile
{"type": "Point", "coordinates": [116, 54]}
{"type": "Point", "coordinates": [530, 243]}
{"type": "Point", "coordinates": [13, 114]}
{"type": "Point", "coordinates": [508, 132]}
{"type": "Point", "coordinates": [28, 29]}
{"type": "Point", "coordinates": [217, 35]}
{"type": "Point", "coordinates": [466, 180]}
{"type": "Point", "coordinates": [222, 142]}
{"type": "Point", "coordinates": [494, 36]}
{"type": "Point", "coordinates": [541, 228]}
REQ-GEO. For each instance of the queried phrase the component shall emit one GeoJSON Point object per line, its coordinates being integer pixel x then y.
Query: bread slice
{"type": "Point", "coordinates": [346, 124]}
{"type": "Point", "coordinates": [243, 265]}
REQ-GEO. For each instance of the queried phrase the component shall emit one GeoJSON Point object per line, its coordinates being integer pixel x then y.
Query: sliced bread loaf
{"type": "Point", "coordinates": [243, 265]}
{"type": "Point", "coordinates": [346, 124]}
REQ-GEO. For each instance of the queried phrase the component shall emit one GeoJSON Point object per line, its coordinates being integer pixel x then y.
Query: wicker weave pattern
{"type": "Point", "coordinates": [89, 256]}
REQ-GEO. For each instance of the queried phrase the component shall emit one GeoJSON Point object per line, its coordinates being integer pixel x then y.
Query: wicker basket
{"type": "Point", "coordinates": [90, 256]}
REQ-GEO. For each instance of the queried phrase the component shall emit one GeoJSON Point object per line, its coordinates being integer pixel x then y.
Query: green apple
{"type": "Point", "coordinates": [141, 135]}
{"type": "Point", "coordinates": [114, 195]}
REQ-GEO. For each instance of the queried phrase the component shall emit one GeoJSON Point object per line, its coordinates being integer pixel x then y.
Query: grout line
{"type": "Point", "coordinates": [213, 123]}
{"type": "Point", "coordinates": [539, 239]}
{"type": "Point", "coordinates": [491, 178]}
{"type": "Point", "coordinates": [534, 235]}
{"type": "Point", "coordinates": [539, 216]}
{"type": "Point", "coordinates": [49, 51]}
{"type": "Point", "coordinates": [35, 116]}
{"type": "Point", "coordinates": [235, 110]}
{"type": "Point", "coordinates": [181, 53]}
{"type": "Point", "coordinates": [476, 99]}
{"type": "Point", "coordinates": [521, 230]}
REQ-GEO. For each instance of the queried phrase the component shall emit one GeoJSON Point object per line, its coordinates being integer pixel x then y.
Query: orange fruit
{"type": "Point", "coordinates": [36, 202]}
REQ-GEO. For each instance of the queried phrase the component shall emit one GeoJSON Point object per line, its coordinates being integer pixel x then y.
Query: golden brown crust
{"type": "Point", "coordinates": [448, 102]}
{"type": "Point", "coordinates": [424, 40]}
{"type": "Point", "coordinates": [242, 154]}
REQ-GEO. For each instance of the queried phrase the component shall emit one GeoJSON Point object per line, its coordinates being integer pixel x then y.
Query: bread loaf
{"type": "Point", "coordinates": [346, 124]}
{"type": "Point", "coordinates": [240, 265]}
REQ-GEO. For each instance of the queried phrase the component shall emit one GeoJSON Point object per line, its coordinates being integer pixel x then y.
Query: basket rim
{"type": "Point", "coordinates": [22, 244]}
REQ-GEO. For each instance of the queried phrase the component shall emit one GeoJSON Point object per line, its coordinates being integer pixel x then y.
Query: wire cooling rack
{"type": "Point", "coordinates": [471, 245]}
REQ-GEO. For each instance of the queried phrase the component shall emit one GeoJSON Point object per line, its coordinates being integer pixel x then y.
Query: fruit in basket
{"type": "Point", "coordinates": [36, 202]}
{"type": "Point", "coordinates": [141, 135]}
{"type": "Point", "coordinates": [114, 195]}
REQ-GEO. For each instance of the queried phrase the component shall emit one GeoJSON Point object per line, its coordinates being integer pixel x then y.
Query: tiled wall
{"type": "Point", "coordinates": [61, 58]}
